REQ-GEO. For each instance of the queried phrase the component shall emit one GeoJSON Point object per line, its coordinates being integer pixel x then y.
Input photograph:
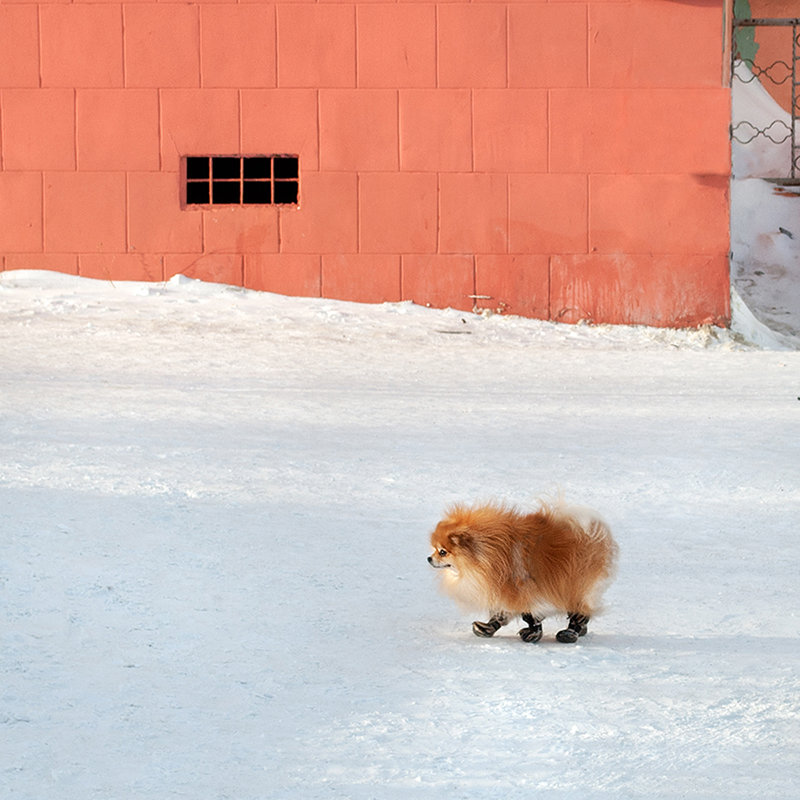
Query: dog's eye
{"type": "Point", "coordinates": [442, 553]}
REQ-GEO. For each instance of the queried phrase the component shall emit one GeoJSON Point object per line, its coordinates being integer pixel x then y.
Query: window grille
{"type": "Point", "coordinates": [241, 180]}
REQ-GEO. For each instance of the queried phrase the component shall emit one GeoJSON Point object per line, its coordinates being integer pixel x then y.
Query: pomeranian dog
{"type": "Point", "coordinates": [495, 558]}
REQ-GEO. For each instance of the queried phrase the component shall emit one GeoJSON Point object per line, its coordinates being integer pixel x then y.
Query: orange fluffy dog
{"type": "Point", "coordinates": [493, 557]}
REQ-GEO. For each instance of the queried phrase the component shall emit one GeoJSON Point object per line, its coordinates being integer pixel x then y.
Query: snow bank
{"type": "Point", "coordinates": [765, 217]}
{"type": "Point", "coordinates": [34, 292]}
{"type": "Point", "coordinates": [753, 109]}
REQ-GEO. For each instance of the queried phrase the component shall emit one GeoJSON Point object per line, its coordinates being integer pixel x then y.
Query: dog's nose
{"type": "Point", "coordinates": [430, 560]}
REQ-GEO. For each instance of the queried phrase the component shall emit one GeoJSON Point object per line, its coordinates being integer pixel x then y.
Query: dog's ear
{"type": "Point", "coordinates": [463, 539]}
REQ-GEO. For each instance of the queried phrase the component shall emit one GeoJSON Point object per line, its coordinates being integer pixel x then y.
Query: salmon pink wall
{"type": "Point", "coordinates": [563, 160]}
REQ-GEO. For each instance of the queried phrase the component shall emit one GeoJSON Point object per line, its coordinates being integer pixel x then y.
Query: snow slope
{"type": "Point", "coordinates": [214, 510]}
{"type": "Point", "coordinates": [765, 216]}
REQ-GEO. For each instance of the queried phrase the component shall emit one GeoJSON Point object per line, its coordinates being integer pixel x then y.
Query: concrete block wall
{"type": "Point", "coordinates": [562, 160]}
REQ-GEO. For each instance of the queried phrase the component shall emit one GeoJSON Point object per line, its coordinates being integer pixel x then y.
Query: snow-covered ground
{"type": "Point", "coordinates": [214, 512]}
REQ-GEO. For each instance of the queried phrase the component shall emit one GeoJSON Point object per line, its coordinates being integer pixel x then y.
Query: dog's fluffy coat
{"type": "Point", "coordinates": [493, 557]}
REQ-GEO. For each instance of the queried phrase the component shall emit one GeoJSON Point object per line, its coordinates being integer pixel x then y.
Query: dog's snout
{"type": "Point", "coordinates": [430, 560]}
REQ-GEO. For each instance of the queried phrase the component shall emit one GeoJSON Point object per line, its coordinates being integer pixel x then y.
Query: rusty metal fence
{"type": "Point", "coordinates": [746, 69]}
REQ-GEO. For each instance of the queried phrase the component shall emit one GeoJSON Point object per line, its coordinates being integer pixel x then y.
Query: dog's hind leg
{"type": "Point", "coordinates": [534, 630]}
{"type": "Point", "coordinates": [490, 628]}
{"type": "Point", "coordinates": [578, 625]}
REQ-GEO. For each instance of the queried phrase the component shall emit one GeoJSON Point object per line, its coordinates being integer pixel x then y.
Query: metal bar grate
{"type": "Point", "coordinates": [778, 73]}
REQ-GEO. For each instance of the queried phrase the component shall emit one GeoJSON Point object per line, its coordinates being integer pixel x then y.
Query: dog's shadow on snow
{"type": "Point", "coordinates": [701, 644]}
{"type": "Point", "coordinates": [713, 645]}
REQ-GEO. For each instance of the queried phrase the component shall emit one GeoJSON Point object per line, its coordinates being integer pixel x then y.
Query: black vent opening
{"type": "Point", "coordinates": [242, 180]}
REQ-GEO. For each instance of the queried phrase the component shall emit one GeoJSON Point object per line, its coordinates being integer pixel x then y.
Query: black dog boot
{"type": "Point", "coordinates": [578, 625]}
{"type": "Point", "coordinates": [488, 629]}
{"type": "Point", "coordinates": [534, 630]}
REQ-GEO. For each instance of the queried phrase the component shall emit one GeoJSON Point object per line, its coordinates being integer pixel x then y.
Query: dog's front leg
{"type": "Point", "coordinates": [534, 630]}
{"type": "Point", "coordinates": [490, 628]}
